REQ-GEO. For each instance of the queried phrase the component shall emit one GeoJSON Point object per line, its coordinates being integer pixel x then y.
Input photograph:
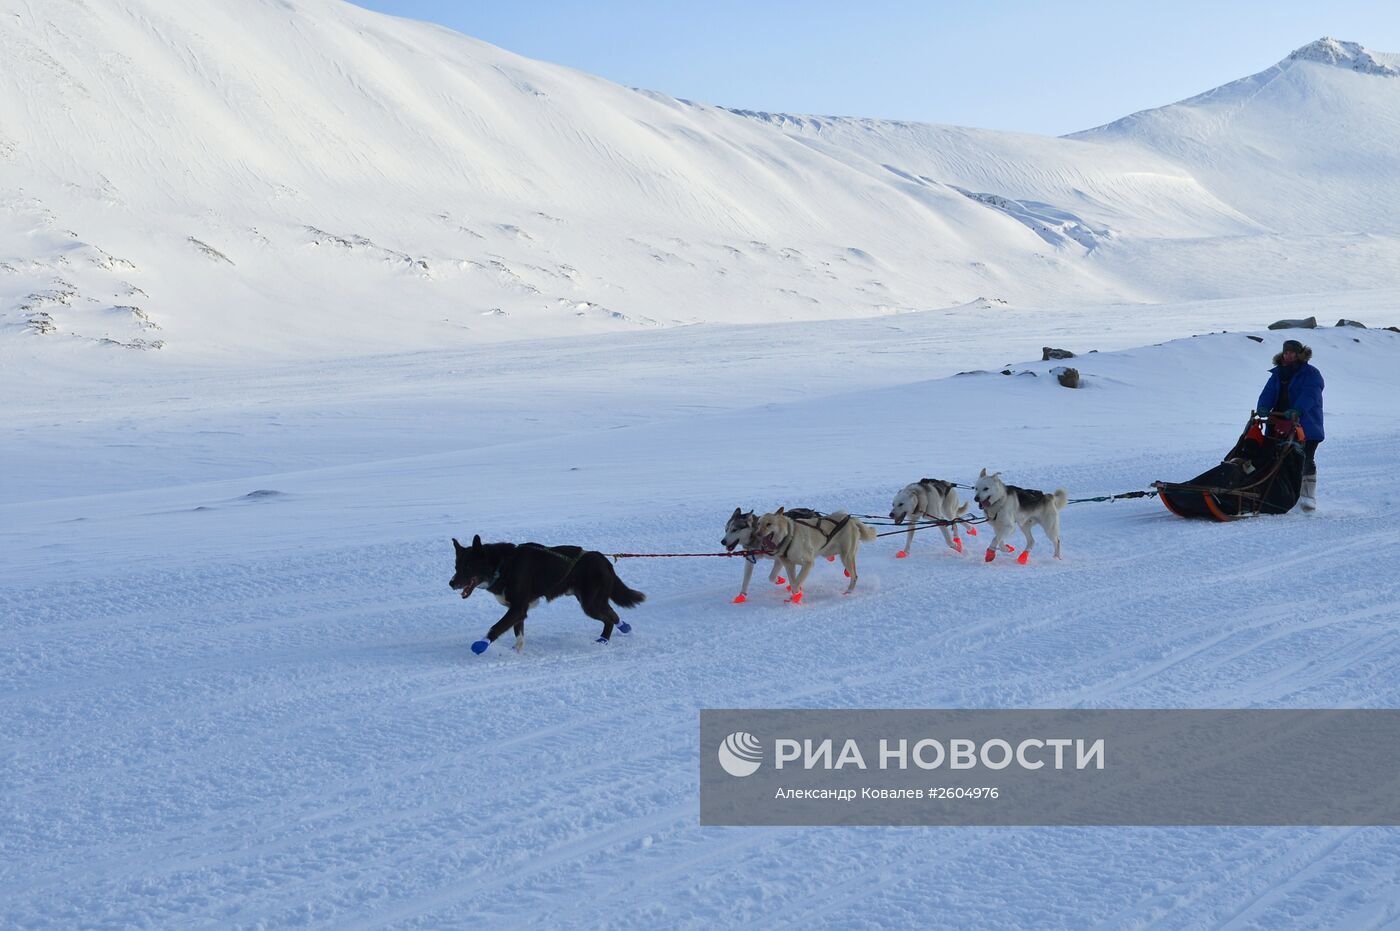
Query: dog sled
{"type": "Point", "coordinates": [1262, 474]}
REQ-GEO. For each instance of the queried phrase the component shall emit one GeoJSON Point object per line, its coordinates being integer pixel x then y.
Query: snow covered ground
{"type": "Point", "coordinates": [292, 293]}
{"type": "Point", "coordinates": [237, 690]}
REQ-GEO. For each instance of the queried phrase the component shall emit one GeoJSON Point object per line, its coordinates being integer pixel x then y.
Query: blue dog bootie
{"type": "Point", "coordinates": [601, 640]}
{"type": "Point", "coordinates": [624, 627]}
{"type": "Point", "coordinates": [480, 646]}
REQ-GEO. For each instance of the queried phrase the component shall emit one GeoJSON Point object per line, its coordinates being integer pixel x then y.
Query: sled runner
{"type": "Point", "coordinates": [1262, 474]}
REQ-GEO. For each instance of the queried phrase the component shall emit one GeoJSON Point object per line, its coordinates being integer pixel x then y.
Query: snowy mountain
{"type": "Point", "coordinates": [309, 177]}
{"type": "Point", "coordinates": [1307, 147]}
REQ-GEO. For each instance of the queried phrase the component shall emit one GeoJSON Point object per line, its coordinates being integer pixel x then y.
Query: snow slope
{"type": "Point", "coordinates": [238, 691]}
{"type": "Point", "coordinates": [1280, 181]}
{"type": "Point", "coordinates": [1300, 148]}
{"type": "Point", "coordinates": [308, 178]}
{"type": "Point", "coordinates": [311, 174]}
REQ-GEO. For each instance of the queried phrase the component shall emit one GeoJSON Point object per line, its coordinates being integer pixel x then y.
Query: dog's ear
{"type": "Point", "coordinates": [476, 541]}
{"type": "Point", "coordinates": [778, 511]}
{"type": "Point", "coordinates": [737, 512]}
{"type": "Point", "coordinates": [984, 472]}
{"type": "Point", "coordinates": [456, 545]}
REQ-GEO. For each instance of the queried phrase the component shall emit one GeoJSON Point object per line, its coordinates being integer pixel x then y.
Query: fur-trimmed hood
{"type": "Point", "coordinates": [1304, 357]}
{"type": "Point", "coordinates": [1305, 386]}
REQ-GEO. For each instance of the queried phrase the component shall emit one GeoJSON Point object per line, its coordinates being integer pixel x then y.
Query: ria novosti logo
{"type": "Point", "coordinates": [741, 754]}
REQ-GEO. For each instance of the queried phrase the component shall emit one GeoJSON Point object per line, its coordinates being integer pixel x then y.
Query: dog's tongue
{"type": "Point", "coordinates": [469, 588]}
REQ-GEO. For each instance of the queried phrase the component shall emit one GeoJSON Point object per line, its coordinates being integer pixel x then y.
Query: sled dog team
{"type": "Point", "coordinates": [519, 576]}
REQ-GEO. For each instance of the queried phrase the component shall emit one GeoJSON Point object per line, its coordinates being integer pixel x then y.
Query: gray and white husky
{"type": "Point", "coordinates": [1008, 506]}
{"type": "Point", "coordinates": [740, 533]}
{"type": "Point", "coordinates": [933, 499]}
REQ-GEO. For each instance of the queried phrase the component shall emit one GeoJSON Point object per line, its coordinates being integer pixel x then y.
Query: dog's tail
{"type": "Point", "coordinates": [866, 531]}
{"type": "Point", "coordinates": [1061, 498]}
{"type": "Point", "coordinates": [951, 503]}
{"type": "Point", "coordinates": [624, 597]}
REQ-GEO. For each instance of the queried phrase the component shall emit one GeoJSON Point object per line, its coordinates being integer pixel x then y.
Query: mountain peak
{"type": "Point", "coordinates": [1350, 55]}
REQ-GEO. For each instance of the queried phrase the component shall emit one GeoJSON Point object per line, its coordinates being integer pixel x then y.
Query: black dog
{"type": "Point", "coordinates": [519, 576]}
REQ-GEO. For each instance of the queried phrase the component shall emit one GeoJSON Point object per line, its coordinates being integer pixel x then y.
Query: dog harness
{"type": "Point", "coordinates": [782, 550]}
{"type": "Point", "coordinates": [1026, 497]}
{"type": "Point", "coordinates": [572, 561]}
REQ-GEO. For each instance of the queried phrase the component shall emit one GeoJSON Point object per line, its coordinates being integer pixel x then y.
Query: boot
{"type": "Point", "coordinates": [1309, 496]}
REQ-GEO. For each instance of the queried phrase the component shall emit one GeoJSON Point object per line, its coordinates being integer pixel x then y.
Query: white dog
{"type": "Point", "coordinates": [800, 541]}
{"type": "Point", "coordinates": [933, 499]}
{"type": "Point", "coordinates": [1008, 506]}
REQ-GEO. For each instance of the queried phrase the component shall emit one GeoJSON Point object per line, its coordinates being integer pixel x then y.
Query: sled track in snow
{"type": "Point", "coordinates": [238, 743]}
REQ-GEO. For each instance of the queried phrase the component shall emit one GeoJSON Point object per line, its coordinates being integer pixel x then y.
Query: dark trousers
{"type": "Point", "coordinates": [1310, 450]}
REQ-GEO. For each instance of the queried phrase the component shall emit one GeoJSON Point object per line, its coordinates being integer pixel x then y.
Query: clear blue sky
{"type": "Point", "coordinates": [1047, 67]}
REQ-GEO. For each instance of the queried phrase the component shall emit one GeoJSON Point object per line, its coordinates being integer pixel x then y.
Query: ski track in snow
{"type": "Point", "coordinates": [300, 736]}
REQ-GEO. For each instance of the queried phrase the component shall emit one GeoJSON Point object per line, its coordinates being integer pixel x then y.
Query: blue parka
{"type": "Point", "coordinates": [1304, 396]}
